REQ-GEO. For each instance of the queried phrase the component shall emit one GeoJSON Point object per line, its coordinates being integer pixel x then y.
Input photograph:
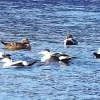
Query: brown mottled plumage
{"type": "Point", "coordinates": [24, 44]}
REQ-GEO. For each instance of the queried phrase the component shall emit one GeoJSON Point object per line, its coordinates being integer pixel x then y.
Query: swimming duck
{"type": "Point", "coordinates": [53, 57]}
{"type": "Point", "coordinates": [70, 40]}
{"type": "Point", "coordinates": [8, 62]}
{"type": "Point", "coordinates": [24, 44]}
{"type": "Point", "coordinates": [97, 55]}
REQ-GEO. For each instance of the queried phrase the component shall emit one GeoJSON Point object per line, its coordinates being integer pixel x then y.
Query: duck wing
{"type": "Point", "coordinates": [52, 59]}
{"type": "Point", "coordinates": [71, 42]}
{"type": "Point", "coordinates": [74, 42]}
{"type": "Point", "coordinates": [57, 54]}
{"type": "Point", "coordinates": [23, 63]}
{"type": "Point", "coordinates": [96, 55]}
{"type": "Point", "coordinates": [65, 61]}
{"type": "Point", "coordinates": [14, 46]}
{"type": "Point", "coordinates": [17, 63]}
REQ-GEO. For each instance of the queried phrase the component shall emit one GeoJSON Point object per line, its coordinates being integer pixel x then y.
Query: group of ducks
{"type": "Point", "coordinates": [48, 56]}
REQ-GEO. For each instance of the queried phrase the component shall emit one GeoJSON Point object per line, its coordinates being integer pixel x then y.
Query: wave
{"type": "Point", "coordinates": [94, 2]}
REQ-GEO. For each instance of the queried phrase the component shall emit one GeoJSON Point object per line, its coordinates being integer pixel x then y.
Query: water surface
{"type": "Point", "coordinates": [46, 24]}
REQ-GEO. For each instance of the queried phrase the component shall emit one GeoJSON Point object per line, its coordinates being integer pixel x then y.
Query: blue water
{"type": "Point", "coordinates": [46, 23]}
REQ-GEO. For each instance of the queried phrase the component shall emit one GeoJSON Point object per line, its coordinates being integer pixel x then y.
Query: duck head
{"type": "Point", "coordinates": [69, 36]}
{"type": "Point", "coordinates": [6, 59]}
{"type": "Point", "coordinates": [25, 40]}
{"type": "Point", "coordinates": [2, 55]}
{"type": "Point", "coordinates": [45, 52]}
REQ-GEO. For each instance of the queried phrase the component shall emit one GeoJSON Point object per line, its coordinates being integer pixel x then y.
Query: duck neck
{"type": "Point", "coordinates": [45, 57]}
{"type": "Point", "coordinates": [6, 60]}
{"type": "Point", "coordinates": [48, 54]}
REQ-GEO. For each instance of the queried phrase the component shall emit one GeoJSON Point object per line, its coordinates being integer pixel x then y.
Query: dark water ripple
{"type": "Point", "coordinates": [45, 23]}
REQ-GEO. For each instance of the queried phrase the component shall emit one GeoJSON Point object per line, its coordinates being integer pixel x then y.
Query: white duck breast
{"type": "Point", "coordinates": [46, 55]}
{"type": "Point", "coordinates": [44, 58]}
{"type": "Point", "coordinates": [99, 51]}
{"type": "Point", "coordinates": [8, 62]}
{"type": "Point", "coordinates": [58, 56]}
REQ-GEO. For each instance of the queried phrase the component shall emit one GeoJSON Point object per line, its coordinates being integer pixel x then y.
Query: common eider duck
{"type": "Point", "coordinates": [24, 44]}
{"type": "Point", "coordinates": [97, 55]}
{"type": "Point", "coordinates": [53, 57]}
{"type": "Point", "coordinates": [70, 40]}
{"type": "Point", "coordinates": [8, 62]}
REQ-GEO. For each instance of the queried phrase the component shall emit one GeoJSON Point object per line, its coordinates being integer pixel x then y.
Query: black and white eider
{"type": "Point", "coordinates": [8, 62]}
{"type": "Point", "coordinates": [70, 40]}
{"type": "Point", "coordinates": [97, 55]}
{"type": "Point", "coordinates": [53, 57]}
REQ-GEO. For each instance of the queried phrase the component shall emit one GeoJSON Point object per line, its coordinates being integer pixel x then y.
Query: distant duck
{"type": "Point", "coordinates": [70, 40]}
{"type": "Point", "coordinates": [2, 55]}
{"type": "Point", "coordinates": [97, 55]}
{"type": "Point", "coordinates": [53, 57]}
{"type": "Point", "coordinates": [24, 44]}
{"type": "Point", "coordinates": [8, 62]}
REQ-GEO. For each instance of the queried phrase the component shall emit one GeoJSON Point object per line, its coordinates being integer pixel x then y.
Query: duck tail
{"type": "Point", "coordinates": [72, 57]}
{"type": "Point", "coordinates": [3, 43]}
{"type": "Point", "coordinates": [31, 63]}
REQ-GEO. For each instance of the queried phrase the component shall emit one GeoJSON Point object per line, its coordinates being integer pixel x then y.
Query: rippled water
{"type": "Point", "coordinates": [46, 24]}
